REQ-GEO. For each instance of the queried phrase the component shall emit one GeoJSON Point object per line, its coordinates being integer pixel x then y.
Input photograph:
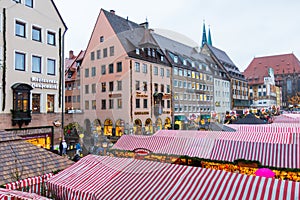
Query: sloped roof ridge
{"type": "Point", "coordinates": [118, 23]}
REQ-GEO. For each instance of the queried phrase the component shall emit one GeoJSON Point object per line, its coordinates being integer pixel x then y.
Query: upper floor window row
{"type": "Point", "coordinates": [36, 63]}
{"type": "Point", "coordinates": [104, 52]}
{"type": "Point", "coordinates": [28, 3]}
{"type": "Point", "coordinates": [36, 33]}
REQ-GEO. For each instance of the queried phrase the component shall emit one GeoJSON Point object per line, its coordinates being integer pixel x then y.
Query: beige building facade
{"type": "Point", "coordinates": [31, 46]}
{"type": "Point", "coordinates": [125, 80]}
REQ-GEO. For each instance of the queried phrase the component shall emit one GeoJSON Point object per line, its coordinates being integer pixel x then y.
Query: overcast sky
{"type": "Point", "coordinates": [243, 29]}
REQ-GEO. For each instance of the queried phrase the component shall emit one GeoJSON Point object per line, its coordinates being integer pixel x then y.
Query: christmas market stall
{"type": "Point", "coordinates": [6, 194]}
{"type": "Point", "coordinates": [95, 177]}
{"type": "Point", "coordinates": [217, 150]}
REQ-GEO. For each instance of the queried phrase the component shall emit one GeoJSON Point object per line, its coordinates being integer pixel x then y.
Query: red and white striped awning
{"type": "Point", "coordinates": [94, 177]}
{"type": "Point", "coordinates": [6, 194]}
{"type": "Point", "coordinates": [270, 149]}
{"type": "Point", "coordinates": [275, 155]}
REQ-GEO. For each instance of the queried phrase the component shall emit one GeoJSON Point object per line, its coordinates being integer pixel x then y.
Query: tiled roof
{"type": "Point", "coordinates": [28, 159]}
{"type": "Point", "coordinates": [221, 55]}
{"type": "Point", "coordinates": [281, 64]}
{"type": "Point", "coordinates": [120, 24]}
{"type": "Point", "coordinates": [179, 49]}
{"type": "Point", "coordinates": [227, 63]}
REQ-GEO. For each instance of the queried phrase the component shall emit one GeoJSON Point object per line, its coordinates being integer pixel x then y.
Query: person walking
{"type": "Point", "coordinates": [65, 146]}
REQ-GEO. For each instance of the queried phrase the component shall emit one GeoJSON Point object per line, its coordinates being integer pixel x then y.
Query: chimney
{"type": "Point", "coordinates": [145, 25]}
{"type": "Point", "coordinates": [71, 54]}
{"type": "Point", "coordinates": [112, 12]}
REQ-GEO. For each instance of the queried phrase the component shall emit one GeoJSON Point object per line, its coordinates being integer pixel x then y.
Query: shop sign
{"type": "Point", "coordinates": [43, 83]}
{"type": "Point", "coordinates": [115, 95]}
{"type": "Point", "coordinates": [142, 151]}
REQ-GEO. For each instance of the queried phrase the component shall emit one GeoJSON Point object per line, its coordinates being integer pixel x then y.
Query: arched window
{"type": "Point", "coordinates": [21, 112]}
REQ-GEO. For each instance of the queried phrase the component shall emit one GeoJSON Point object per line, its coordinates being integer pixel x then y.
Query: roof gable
{"type": "Point", "coordinates": [281, 64]}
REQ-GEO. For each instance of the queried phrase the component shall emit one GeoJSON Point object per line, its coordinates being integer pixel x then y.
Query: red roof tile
{"type": "Point", "coordinates": [281, 64]}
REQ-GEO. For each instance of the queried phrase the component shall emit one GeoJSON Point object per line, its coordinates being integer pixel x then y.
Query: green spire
{"type": "Point", "coordinates": [204, 40]}
{"type": "Point", "coordinates": [209, 37]}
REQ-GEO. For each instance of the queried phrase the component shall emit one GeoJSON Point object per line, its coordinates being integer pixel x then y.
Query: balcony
{"type": "Point", "coordinates": [21, 117]}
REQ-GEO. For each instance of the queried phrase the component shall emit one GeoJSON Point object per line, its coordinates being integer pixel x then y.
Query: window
{"type": "Point", "coordinates": [21, 99]}
{"type": "Point", "coordinates": [137, 67]}
{"type": "Point", "coordinates": [119, 101]}
{"type": "Point", "coordinates": [155, 87]}
{"type": "Point", "coordinates": [137, 85]}
{"type": "Point", "coordinates": [94, 88]}
{"type": "Point", "coordinates": [137, 51]}
{"type": "Point", "coordinates": [111, 51]}
{"type": "Point", "coordinates": [168, 89]}
{"type": "Point", "coordinates": [103, 104]}
{"type": "Point", "coordinates": [86, 105]}
{"type": "Point", "coordinates": [93, 71]}
{"type": "Point", "coordinates": [168, 73]}
{"type": "Point", "coordinates": [36, 34]}
{"type": "Point", "coordinates": [92, 55]}
{"type": "Point", "coordinates": [101, 38]}
{"type": "Point", "coordinates": [36, 64]}
{"type": "Point", "coordinates": [111, 86]}
{"type": "Point", "coordinates": [86, 89]}
{"type": "Point", "coordinates": [145, 68]}
{"type": "Point", "coordinates": [78, 98]}
{"type": "Point", "coordinates": [175, 59]}
{"type": "Point", "coordinates": [20, 29]}
{"type": "Point", "coordinates": [50, 67]}
{"type": "Point", "coordinates": [145, 103]}
{"type": "Point", "coordinates": [74, 99]}
{"type": "Point", "coordinates": [86, 72]}
{"type": "Point", "coordinates": [162, 72]}
{"type": "Point", "coordinates": [119, 85]}
{"type": "Point", "coordinates": [162, 103]}
{"type": "Point", "coordinates": [50, 38]}
{"type": "Point", "coordinates": [50, 103]}
{"type": "Point", "coordinates": [103, 69]}
{"type": "Point", "coordinates": [105, 53]}
{"type": "Point", "coordinates": [111, 104]}
{"type": "Point", "coordinates": [111, 68]}
{"type": "Point", "coordinates": [29, 3]}
{"type": "Point", "coordinates": [175, 71]}
{"type": "Point", "coordinates": [94, 105]}
{"type": "Point", "coordinates": [168, 104]}
{"type": "Point", "coordinates": [155, 70]}
{"type": "Point", "coordinates": [103, 86]}
{"type": "Point", "coordinates": [137, 103]}
{"type": "Point", "coordinates": [144, 86]}
{"type": "Point", "coordinates": [162, 88]}
{"type": "Point", "coordinates": [36, 103]}
{"type": "Point", "coordinates": [119, 66]}
{"type": "Point", "coordinates": [98, 54]}
{"type": "Point", "coordinates": [20, 61]}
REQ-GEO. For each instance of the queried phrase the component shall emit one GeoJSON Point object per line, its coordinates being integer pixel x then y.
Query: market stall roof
{"type": "Point", "coordinates": [274, 155]}
{"type": "Point", "coordinates": [95, 177]}
{"type": "Point", "coordinates": [28, 160]}
{"type": "Point", "coordinates": [270, 149]}
{"type": "Point", "coordinates": [12, 194]}
{"type": "Point", "coordinates": [249, 119]}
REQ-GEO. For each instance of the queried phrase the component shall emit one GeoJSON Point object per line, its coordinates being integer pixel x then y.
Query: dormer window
{"type": "Point", "coordinates": [162, 58]}
{"type": "Point", "coordinates": [193, 64]}
{"type": "Point", "coordinates": [137, 51]}
{"type": "Point", "coordinates": [184, 62]}
{"type": "Point", "coordinates": [175, 59]}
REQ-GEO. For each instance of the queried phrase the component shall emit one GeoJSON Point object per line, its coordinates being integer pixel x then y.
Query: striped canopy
{"type": "Point", "coordinates": [270, 149]}
{"type": "Point", "coordinates": [95, 177]}
{"type": "Point", "coordinates": [6, 194]}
